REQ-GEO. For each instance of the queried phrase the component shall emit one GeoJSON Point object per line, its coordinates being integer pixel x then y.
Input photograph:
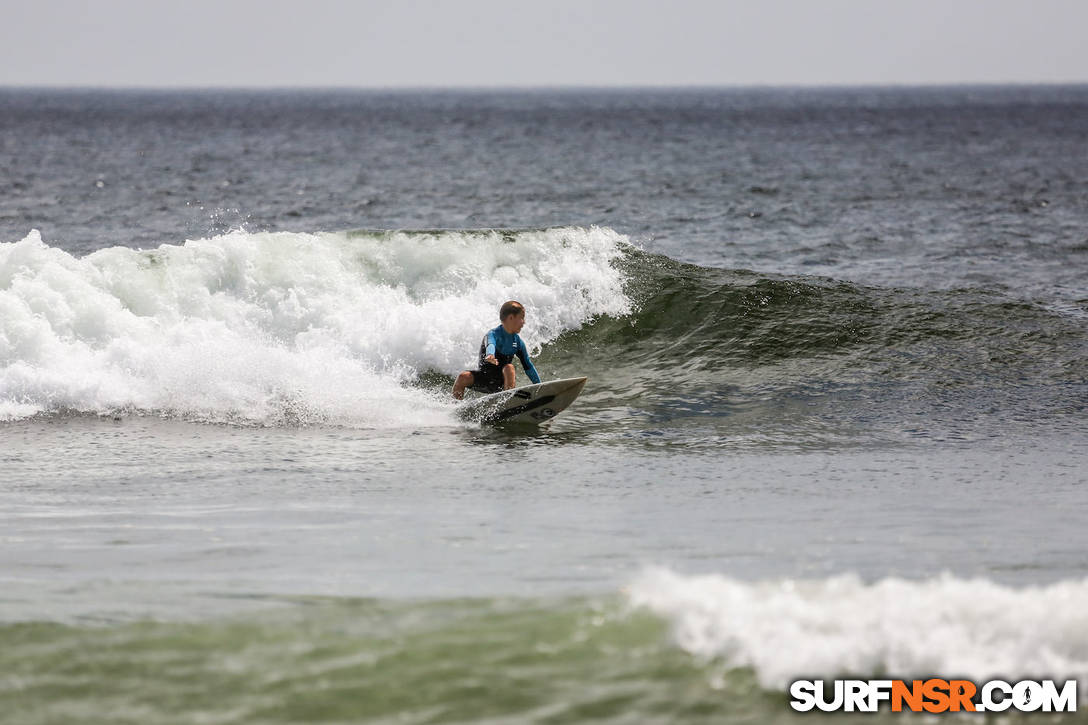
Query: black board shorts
{"type": "Point", "coordinates": [488, 379]}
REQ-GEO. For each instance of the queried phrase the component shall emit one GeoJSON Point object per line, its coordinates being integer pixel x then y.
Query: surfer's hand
{"type": "Point", "coordinates": [491, 359]}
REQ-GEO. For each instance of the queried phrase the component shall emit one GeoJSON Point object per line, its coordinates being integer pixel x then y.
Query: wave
{"type": "Point", "coordinates": [791, 354]}
{"type": "Point", "coordinates": [366, 328]}
{"type": "Point", "coordinates": [706, 318]}
{"type": "Point", "coordinates": [673, 649]}
{"type": "Point", "coordinates": [278, 328]}
{"type": "Point", "coordinates": [946, 626]}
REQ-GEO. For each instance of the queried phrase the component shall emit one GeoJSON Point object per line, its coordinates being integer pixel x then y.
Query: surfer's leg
{"type": "Point", "coordinates": [507, 376]}
{"type": "Point", "coordinates": [464, 380]}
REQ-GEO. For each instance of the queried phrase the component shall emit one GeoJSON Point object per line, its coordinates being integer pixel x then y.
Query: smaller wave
{"type": "Point", "coordinates": [945, 626]}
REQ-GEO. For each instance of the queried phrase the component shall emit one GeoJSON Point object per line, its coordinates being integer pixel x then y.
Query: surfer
{"type": "Point", "coordinates": [497, 352]}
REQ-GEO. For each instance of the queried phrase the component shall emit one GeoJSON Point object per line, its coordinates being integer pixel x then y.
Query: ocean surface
{"type": "Point", "coordinates": [837, 349]}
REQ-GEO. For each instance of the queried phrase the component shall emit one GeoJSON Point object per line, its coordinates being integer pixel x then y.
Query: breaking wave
{"type": "Point", "coordinates": [274, 328]}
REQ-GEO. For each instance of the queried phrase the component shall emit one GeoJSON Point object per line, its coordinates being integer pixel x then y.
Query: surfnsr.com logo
{"type": "Point", "coordinates": [933, 696]}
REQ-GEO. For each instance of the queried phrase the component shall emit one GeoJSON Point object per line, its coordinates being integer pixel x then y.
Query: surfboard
{"type": "Point", "coordinates": [533, 404]}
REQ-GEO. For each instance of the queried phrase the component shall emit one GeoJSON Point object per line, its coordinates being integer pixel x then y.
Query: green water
{"type": "Point", "coordinates": [321, 660]}
{"type": "Point", "coordinates": [373, 661]}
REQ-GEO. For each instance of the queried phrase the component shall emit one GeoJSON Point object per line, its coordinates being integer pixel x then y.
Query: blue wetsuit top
{"type": "Point", "coordinates": [504, 347]}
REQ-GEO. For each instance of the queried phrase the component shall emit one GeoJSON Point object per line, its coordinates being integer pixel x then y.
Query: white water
{"type": "Point", "coordinates": [945, 626]}
{"type": "Point", "coordinates": [283, 328]}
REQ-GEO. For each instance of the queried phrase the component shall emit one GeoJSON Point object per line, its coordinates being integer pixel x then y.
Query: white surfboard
{"type": "Point", "coordinates": [534, 404]}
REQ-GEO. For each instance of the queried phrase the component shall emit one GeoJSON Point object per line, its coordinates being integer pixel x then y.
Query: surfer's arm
{"type": "Point", "coordinates": [489, 346]}
{"type": "Point", "coordinates": [527, 364]}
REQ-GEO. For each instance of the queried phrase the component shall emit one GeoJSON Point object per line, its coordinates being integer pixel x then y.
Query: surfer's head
{"type": "Point", "coordinates": [512, 316]}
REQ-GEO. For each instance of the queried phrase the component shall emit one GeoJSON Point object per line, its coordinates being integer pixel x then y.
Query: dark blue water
{"type": "Point", "coordinates": [962, 186]}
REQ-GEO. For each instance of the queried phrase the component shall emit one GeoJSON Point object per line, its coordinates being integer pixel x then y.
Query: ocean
{"type": "Point", "coordinates": [837, 350]}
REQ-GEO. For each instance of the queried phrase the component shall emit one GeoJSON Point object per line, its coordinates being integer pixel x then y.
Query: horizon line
{"type": "Point", "coordinates": [545, 87]}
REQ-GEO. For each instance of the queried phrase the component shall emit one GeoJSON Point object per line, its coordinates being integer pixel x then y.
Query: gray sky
{"type": "Point", "coordinates": [374, 43]}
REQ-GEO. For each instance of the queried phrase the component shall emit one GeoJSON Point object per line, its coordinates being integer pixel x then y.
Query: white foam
{"type": "Point", "coordinates": [945, 626]}
{"type": "Point", "coordinates": [283, 327]}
